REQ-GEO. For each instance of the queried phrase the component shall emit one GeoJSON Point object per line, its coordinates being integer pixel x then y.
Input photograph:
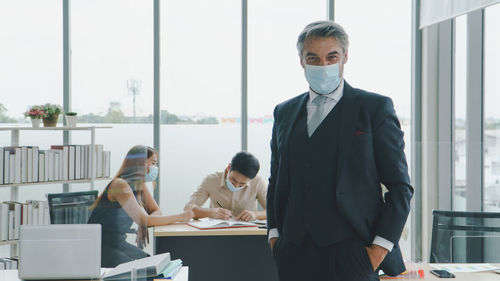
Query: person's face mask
{"type": "Point", "coordinates": [153, 173]}
{"type": "Point", "coordinates": [323, 79]}
{"type": "Point", "coordinates": [231, 186]}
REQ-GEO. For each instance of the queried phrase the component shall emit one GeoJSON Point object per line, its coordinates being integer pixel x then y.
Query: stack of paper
{"type": "Point", "coordinates": [170, 270]}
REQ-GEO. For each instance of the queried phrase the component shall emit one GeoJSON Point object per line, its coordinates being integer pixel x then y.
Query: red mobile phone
{"type": "Point", "coordinates": [442, 273]}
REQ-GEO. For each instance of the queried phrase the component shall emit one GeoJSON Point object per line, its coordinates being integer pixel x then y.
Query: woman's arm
{"type": "Point", "coordinates": [148, 200]}
{"type": "Point", "coordinates": [121, 192]}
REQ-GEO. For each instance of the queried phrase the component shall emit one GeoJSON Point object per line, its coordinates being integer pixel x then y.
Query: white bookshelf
{"type": "Point", "coordinates": [14, 141]}
{"type": "Point", "coordinates": [51, 182]}
{"type": "Point", "coordinates": [9, 242]}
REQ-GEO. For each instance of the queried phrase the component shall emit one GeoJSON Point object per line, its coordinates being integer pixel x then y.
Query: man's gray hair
{"type": "Point", "coordinates": [323, 29]}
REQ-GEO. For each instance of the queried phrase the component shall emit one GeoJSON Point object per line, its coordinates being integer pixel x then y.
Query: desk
{"type": "Point", "coordinates": [230, 254]}
{"type": "Point", "coordinates": [11, 275]}
{"type": "Point", "coordinates": [460, 276]}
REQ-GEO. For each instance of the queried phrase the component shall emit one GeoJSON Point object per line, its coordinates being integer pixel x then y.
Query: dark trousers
{"type": "Point", "coordinates": [116, 250]}
{"type": "Point", "coordinates": [343, 261]}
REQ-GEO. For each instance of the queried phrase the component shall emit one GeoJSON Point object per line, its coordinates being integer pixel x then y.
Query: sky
{"type": "Point", "coordinates": [112, 41]}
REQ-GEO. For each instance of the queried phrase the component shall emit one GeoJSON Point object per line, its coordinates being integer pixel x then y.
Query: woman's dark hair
{"type": "Point", "coordinates": [133, 169]}
{"type": "Point", "coordinates": [246, 164]}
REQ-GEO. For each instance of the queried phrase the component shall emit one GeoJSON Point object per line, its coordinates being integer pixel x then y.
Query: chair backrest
{"type": "Point", "coordinates": [465, 237]}
{"type": "Point", "coordinates": [71, 207]}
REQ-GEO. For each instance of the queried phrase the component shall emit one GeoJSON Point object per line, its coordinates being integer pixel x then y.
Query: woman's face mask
{"type": "Point", "coordinates": [152, 174]}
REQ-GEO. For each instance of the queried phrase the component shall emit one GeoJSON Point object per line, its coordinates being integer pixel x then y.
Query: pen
{"type": "Point", "coordinates": [220, 205]}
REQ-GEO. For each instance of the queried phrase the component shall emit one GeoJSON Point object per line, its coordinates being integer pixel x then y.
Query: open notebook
{"type": "Point", "coordinates": [217, 224]}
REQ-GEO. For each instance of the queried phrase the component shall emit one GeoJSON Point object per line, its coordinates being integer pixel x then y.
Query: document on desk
{"type": "Point", "coordinates": [145, 267]}
{"type": "Point", "coordinates": [218, 224]}
{"type": "Point", "coordinates": [464, 267]}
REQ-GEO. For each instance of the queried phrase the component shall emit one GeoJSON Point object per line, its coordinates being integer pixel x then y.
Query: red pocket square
{"type": "Point", "coordinates": [359, 133]}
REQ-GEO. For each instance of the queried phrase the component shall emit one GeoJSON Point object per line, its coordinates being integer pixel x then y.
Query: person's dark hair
{"type": "Point", "coordinates": [133, 170]}
{"type": "Point", "coordinates": [246, 164]}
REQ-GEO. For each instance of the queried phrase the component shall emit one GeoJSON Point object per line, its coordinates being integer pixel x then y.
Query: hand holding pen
{"type": "Point", "coordinates": [220, 213]}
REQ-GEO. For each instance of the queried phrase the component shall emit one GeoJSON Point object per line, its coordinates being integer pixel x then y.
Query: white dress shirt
{"type": "Point", "coordinates": [333, 99]}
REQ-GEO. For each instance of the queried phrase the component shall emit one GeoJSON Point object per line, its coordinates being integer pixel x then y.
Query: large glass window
{"type": "Point", "coordinates": [31, 71]}
{"type": "Point", "coordinates": [200, 94]}
{"type": "Point", "coordinates": [112, 77]}
{"type": "Point", "coordinates": [459, 113]}
{"type": "Point", "coordinates": [381, 63]}
{"type": "Point", "coordinates": [112, 74]}
{"type": "Point", "coordinates": [491, 144]}
{"type": "Point", "coordinates": [274, 71]}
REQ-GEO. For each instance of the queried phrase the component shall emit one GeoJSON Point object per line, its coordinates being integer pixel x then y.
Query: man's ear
{"type": "Point", "coordinates": [346, 57]}
{"type": "Point", "coordinates": [301, 62]}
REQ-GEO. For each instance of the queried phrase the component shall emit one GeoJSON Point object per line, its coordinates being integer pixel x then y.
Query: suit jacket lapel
{"type": "Point", "coordinates": [349, 116]}
{"type": "Point", "coordinates": [292, 115]}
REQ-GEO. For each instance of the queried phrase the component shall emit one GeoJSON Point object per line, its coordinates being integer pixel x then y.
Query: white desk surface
{"type": "Point", "coordinates": [460, 276]}
{"type": "Point", "coordinates": [182, 229]}
{"type": "Point", "coordinates": [11, 275]}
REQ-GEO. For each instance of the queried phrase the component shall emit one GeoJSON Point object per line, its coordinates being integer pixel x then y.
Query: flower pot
{"type": "Point", "coordinates": [35, 122]}
{"type": "Point", "coordinates": [71, 121]}
{"type": "Point", "coordinates": [50, 121]}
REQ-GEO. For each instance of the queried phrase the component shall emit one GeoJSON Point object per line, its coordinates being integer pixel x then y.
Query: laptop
{"type": "Point", "coordinates": [60, 251]}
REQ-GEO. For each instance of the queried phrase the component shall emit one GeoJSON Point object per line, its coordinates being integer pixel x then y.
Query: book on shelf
{"type": "Point", "coordinates": [63, 152]}
{"type": "Point", "coordinates": [24, 213]}
{"type": "Point", "coordinates": [6, 166]}
{"type": "Point", "coordinates": [24, 164]}
{"type": "Point", "coordinates": [71, 163]}
{"type": "Point", "coordinates": [218, 224]}
{"type": "Point", "coordinates": [77, 161]}
{"type": "Point", "coordinates": [1, 165]}
{"type": "Point", "coordinates": [29, 164]}
{"type": "Point", "coordinates": [11, 225]}
{"type": "Point", "coordinates": [15, 211]}
{"type": "Point", "coordinates": [99, 148]}
{"type": "Point", "coordinates": [41, 166]}
{"type": "Point", "coordinates": [8, 263]}
{"type": "Point", "coordinates": [82, 161]}
{"type": "Point", "coordinates": [36, 155]}
{"type": "Point", "coordinates": [4, 222]}
{"type": "Point", "coordinates": [57, 165]}
{"type": "Point", "coordinates": [14, 163]}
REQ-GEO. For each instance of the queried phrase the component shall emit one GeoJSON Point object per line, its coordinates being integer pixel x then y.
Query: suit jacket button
{"type": "Point", "coordinates": [308, 165]}
{"type": "Point", "coordinates": [308, 225]}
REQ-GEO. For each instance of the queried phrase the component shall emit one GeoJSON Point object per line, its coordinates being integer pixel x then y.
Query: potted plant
{"type": "Point", "coordinates": [35, 113]}
{"type": "Point", "coordinates": [71, 119]}
{"type": "Point", "coordinates": [51, 114]}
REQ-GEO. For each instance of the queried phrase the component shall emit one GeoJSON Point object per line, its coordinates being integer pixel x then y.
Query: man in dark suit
{"type": "Point", "coordinates": [332, 149]}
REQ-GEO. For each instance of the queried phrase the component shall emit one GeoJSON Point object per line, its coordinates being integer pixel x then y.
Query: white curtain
{"type": "Point", "coordinates": [435, 11]}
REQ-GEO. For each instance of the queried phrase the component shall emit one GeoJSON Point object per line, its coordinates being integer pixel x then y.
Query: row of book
{"type": "Point", "coordinates": [9, 263]}
{"type": "Point", "coordinates": [15, 214]}
{"type": "Point", "coordinates": [27, 164]}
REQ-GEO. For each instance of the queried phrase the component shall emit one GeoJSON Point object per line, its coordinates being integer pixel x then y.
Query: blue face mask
{"type": "Point", "coordinates": [231, 187]}
{"type": "Point", "coordinates": [153, 173]}
{"type": "Point", "coordinates": [323, 79]}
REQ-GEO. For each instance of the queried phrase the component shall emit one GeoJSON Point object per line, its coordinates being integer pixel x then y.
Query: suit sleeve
{"type": "Point", "coordinates": [393, 172]}
{"type": "Point", "coordinates": [270, 206]}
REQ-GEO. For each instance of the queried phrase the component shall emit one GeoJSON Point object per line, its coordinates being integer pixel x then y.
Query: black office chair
{"type": "Point", "coordinates": [71, 207]}
{"type": "Point", "coordinates": [465, 237]}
